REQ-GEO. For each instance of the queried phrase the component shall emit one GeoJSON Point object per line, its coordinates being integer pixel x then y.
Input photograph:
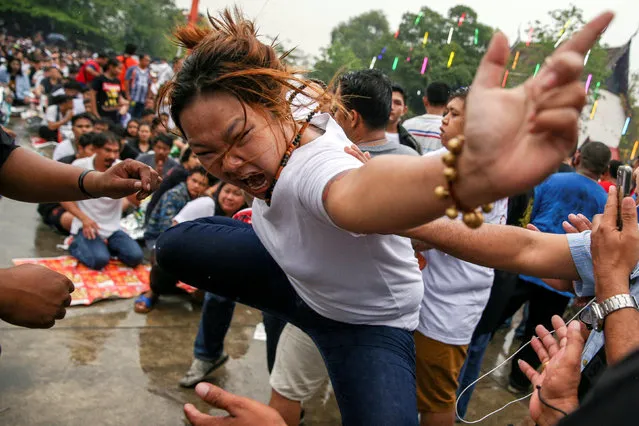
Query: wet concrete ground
{"type": "Point", "coordinates": [106, 365]}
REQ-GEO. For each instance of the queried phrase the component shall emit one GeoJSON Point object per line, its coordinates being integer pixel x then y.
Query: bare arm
{"type": "Point", "coordinates": [55, 125]}
{"type": "Point", "coordinates": [27, 176]}
{"type": "Point", "coordinates": [502, 247]}
{"type": "Point", "coordinates": [94, 103]}
{"type": "Point", "coordinates": [73, 208]}
{"type": "Point", "coordinates": [92, 71]}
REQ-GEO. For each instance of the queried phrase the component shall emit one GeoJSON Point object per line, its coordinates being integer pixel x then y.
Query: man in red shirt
{"type": "Point", "coordinates": [609, 177]}
{"type": "Point", "coordinates": [91, 69]}
{"type": "Point", "coordinates": [127, 60]}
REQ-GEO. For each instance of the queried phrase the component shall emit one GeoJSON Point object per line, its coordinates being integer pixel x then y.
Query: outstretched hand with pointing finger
{"type": "Point", "coordinates": [242, 411]}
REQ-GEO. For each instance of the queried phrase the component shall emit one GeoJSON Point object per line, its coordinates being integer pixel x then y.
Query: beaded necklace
{"type": "Point", "coordinates": [287, 155]}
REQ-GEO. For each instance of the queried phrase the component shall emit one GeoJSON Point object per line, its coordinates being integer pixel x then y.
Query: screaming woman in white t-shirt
{"type": "Point", "coordinates": [322, 254]}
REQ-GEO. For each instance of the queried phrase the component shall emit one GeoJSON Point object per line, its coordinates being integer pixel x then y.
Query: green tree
{"type": "Point", "coordinates": [401, 54]}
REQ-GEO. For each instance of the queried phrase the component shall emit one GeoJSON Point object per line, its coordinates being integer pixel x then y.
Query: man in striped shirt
{"type": "Point", "coordinates": [426, 128]}
{"type": "Point", "coordinates": [138, 82]}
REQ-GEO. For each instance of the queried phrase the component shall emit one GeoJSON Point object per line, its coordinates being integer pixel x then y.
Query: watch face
{"type": "Point", "coordinates": [588, 317]}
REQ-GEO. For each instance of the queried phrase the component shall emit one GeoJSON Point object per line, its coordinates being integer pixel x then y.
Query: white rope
{"type": "Point", "coordinates": [470, 422]}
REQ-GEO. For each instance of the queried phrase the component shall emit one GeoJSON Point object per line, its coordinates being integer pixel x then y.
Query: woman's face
{"type": "Point", "coordinates": [14, 66]}
{"type": "Point", "coordinates": [231, 199]}
{"type": "Point", "coordinates": [453, 122]}
{"type": "Point", "coordinates": [144, 133]}
{"type": "Point", "coordinates": [244, 151]}
{"type": "Point", "coordinates": [132, 128]}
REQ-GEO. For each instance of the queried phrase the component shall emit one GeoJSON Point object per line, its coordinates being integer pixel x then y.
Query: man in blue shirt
{"type": "Point", "coordinates": [553, 200]}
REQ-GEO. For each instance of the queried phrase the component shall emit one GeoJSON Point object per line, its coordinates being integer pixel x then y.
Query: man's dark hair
{"type": "Point", "coordinates": [437, 94]}
{"type": "Point", "coordinates": [186, 155]}
{"type": "Point", "coordinates": [102, 55]}
{"type": "Point", "coordinates": [156, 122]}
{"type": "Point", "coordinates": [613, 167]}
{"type": "Point", "coordinates": [82, 116]}
{"type": "Point", "coordinates": [101, 139]}
{"type": "Point", "coordinates": [106, 121]}
{"type": "Point", "coordinates": [369, 93]}
{"type": "Point", "coordinates": [112, 62]}
{"type": "Point", "coordinates": [399, 89]}
{"type": "Point", "coordinates": [147, 111]}
{"type": "Point", "coordinates": [59, 99]}
{"type": "Point", "coordinates": [165, 139]}
{"type": "Point", "coordinates": [87, 139]}
{"type": "Point", "coordinates": [461, 93]}
{"type": "Point", "coordinates": [118, 130]}
{"type": "Point", "coordinates": [201, 170]}
{"type": "Point", "coordinates": [130, 49]}
{"type": "Point", "coordinates": [73, 85]}
{"type": "Point", "coordinates": [595, 157]}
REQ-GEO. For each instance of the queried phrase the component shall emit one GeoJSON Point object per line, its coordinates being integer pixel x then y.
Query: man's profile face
{"type": "Point", "coordinates": [398, 107]}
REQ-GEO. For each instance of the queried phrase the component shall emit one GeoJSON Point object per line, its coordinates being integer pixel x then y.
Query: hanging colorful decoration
{"type": "Point", "coordinates": [461, 19]}
{"type": "Point", "coordinates": [420, 15]}
{"type": "Point", "coordinates": [516, 60]}
{"type": "Point", "coordinates": [594, 109]}
{"type": "Point", "coordinates": [530, 34]}
{"type": "Point", "coordinates": [563, 33]}
{"type": "Point", "coordinates": [450, 35]}
{"type": "Point", "coordinates": [373, 62]}
{"type": "Point", "coordinates": [450, 59]}
{"type": "Point", "coordinates": [425, 40]}
{"type": "Point", "coordinates": [476, 36]}
{"type": "Point", "coordinates": [586, 58]}
{"type": "Point", "coordinates": [596, 94]}
{"type": "Point", "coordinates": [634, 149]}
{"type": "Point", "coordinates": [536, 70]}
{"type": "Point", "coordinates": [396, 33]}
{"type": "Point", "coordinates": [625, 127]}
{"type": "Point", "coordinates": [503, 83]}
{"type": "Point", "coordinates": [395, 63]}
{"type": "Point", "coordinates": [424, 65]}
{"type": "Point", "coordinates": [588, 81]}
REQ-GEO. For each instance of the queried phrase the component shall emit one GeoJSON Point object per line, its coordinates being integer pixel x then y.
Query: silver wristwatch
{"type": "Point", "coordinates": [595, 315]}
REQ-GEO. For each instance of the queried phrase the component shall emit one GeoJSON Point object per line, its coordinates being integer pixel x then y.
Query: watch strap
{"type": "Point", "coordinates": [619, 301]}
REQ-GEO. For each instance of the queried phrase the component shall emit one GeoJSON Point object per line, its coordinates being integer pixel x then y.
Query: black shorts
{"type": "Point", "coordinates": [53, 219]}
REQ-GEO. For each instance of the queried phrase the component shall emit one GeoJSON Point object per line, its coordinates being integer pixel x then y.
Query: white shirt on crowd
{"type": "Point", "coordinates": [195, 209]}
{"type": "Point", "coordinates": [63, 149]}
{"type": "Point", "coordinates": [358, 279]}
{"type": "Point", "coordinates": [425, 130]}
{"type": "Point", "coordinates": [106, 212]}
{"type": "Point", "coordinates": [456, 292]}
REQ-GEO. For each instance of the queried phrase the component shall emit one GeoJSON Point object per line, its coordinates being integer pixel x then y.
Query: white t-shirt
{"type": "Point", "coordinates": [456, 292]}
{"type": "Point", "coordinates": [358, 279]}
{"type": "Point", "coordinates": [105, 211]}
{"type": "Point", "coordinates": [195, 209]}
{"type": "Point", "coordinates": [63, 149]}
{"type": "Point", "coordinates": [52, 115]}
{"type": "Point", "coordinates": [392, 137]}
{"type": "Point", "coordinates": [425, 130]}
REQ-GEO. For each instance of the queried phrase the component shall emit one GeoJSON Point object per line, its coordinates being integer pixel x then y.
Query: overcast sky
{"type": "Point", "coordinates": [308, 23]}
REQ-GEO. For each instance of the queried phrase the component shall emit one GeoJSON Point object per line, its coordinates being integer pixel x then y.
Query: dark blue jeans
{"type": "Point", "coordinates": [372, 368]}
{"type": "Point", "coordinates": [96, 253]}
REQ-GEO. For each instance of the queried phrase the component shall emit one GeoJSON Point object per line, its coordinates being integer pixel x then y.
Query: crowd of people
{"type": "Point", "coordinates": [325, 209]}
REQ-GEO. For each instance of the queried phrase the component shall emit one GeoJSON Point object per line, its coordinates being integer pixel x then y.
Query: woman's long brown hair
{"type": "Point", "coordinates": [229, 57]}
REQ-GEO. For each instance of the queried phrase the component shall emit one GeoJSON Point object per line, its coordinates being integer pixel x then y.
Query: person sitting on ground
{"type": "Point", "coordinates": [140, 144]}
{"type": "Point", "coordinates": [58, 115]}
{"type": "Point", "coordinates": [80, 125]}
{"type": "Point", "coordinates": [53, 214]}
{"type": "Point", "coordinates": [426, 128]}
{"type": "Point", "coordinates": [367, 95]}
{"type": "Point", "coordinates": [159, 158]}
{"type": "Point", "coordinates": [32, 295]}
{"type": "Point", "coordinates": [160, 220]}
{"type": "Point", "coordinates": [394, 129]}
{"type": "Point", "coordinates": [96, 223]}
{"type": "Point", "coordinates": [132, 128]}
{"type": "Point", "coordinates": [175, 176]}
{"type": "Point", "coordinates": [147, 116]}
{"type": "Point", "coordinates": [11, 75]}
{"type": "Point", "coordinates": [106, 92]}
{"type": "Point", "coordinates": [158, 127]}
{"type": "Point", "coordinates": [609, 177]}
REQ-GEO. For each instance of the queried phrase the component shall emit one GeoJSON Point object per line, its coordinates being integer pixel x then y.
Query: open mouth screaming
{"type": "Point", "coordinates": [255, 182]}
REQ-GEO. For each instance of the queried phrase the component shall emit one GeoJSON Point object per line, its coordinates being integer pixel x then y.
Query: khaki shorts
{"type": "Point", "coordinates": [437, 367]}
{"type": "Point", "coordinates": [299, 371]}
